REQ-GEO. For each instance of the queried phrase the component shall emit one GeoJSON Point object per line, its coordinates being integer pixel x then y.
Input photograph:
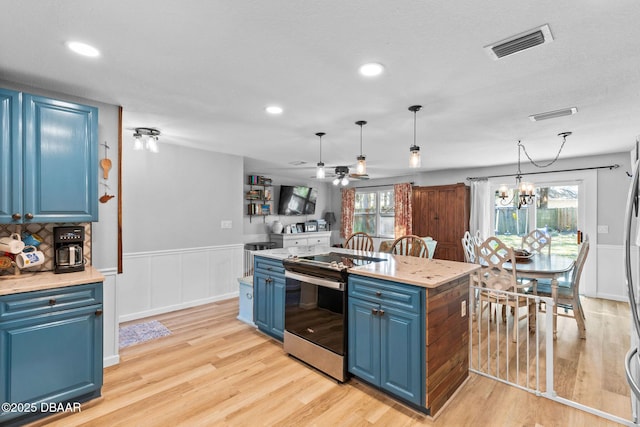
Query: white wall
{"type": "Point", "coordinates": [176, 254]}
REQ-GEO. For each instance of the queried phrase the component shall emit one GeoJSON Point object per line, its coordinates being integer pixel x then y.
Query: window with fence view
{"type": "Point", "coordinates": [555, 210]}
{"type": "Point", "coordinates": [374, 213]}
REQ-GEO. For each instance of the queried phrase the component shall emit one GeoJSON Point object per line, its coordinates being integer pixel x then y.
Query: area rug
{"type": "Point", "coordinates": [141, 332]}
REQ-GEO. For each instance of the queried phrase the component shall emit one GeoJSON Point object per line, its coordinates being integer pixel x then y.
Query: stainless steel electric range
{"type": "Point", "coordinates": [315, 319]}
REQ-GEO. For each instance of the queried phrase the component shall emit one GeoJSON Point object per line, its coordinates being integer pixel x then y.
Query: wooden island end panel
{"type": "Point", "coordinates": [447, 341]}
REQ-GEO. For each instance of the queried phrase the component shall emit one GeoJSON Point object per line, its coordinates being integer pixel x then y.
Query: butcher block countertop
{"type": "Point", "coordinates": [28, 282]}
{"type": "Point", "coordinates": [428, 273]}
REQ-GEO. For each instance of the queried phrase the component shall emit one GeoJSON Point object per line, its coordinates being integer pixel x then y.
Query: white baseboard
{"type": "Point", "coordinates": [110, 361]}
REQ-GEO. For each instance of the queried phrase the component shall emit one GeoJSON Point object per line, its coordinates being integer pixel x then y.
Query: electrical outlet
{"type": "Point", "coordinates": [226, 224]}
{"type": "Point", "coordinates": [463, 308]}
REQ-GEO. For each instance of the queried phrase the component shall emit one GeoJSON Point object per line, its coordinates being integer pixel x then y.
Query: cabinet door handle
{"type": "Point", "coordinates": [374, 311]}
{"type": "Point", "coordinates": [28, 215]}
{"type": "Point", "coordinates": [381, 313]}
{"type": "Point", "coordinates": [378, 293]}
{"type": "Point", "coordinates": [16, 216]}
{"type": "Point", "coordinates": [52, 301]}
{"type": "Point", "coordinates": [249, 296]}
{"type": "Point", "coordinates": [99, 312]}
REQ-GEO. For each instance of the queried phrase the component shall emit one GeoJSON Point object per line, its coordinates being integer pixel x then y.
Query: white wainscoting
{"type": "Point", "coordinates": [611, 280]}
{"type": "Point", "coordinates": [163, 281]}
{"type": "Point", "coordinates": [110, 318]}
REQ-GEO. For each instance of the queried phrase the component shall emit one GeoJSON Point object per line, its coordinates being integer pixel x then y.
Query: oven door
{"type": "Point", "coordinates": [315, 310]}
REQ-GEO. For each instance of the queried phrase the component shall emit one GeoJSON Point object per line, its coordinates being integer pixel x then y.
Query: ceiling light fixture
{"type": "Point", "coordinates": [371, 69]}
{"type": "Point", "coordinates": [361, 168]}
{"type": "Point", "coordinates": [553, 114]}
{"type": "Point", "coordinates": [320, 166]}
{"type": "Point", "coordinates": [526, 191]}
{"type": "Point", "coordinates": [83, 49]}
{"type": "Point", "coordinates": [274, 109]}
{"type": "Point", "coordinates": [146, 139]}
{"type": "Point", "coordinates": [414, 157]}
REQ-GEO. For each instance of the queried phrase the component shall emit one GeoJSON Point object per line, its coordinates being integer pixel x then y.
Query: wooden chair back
{"type": "Point", "coordinates": [359, 241]}
{"type": "Point", "coordinates": [536, 241]}
{"type": "Point", "coordinates": [410, 245]}
{"type": "Point", "coordinates": [577, 270]}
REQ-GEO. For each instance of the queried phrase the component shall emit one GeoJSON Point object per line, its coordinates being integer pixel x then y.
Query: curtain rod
{"type": "Point", "coordinates": [381, 185]}
{"type": "Point", "coordinates": [478, 178]}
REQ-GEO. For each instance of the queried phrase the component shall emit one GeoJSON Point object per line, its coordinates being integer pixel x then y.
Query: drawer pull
{"type": "Point", "coordinates": [28, 215]}
{"type": "Point", "coordinates": [16, 216]}
{"type": "Point", "coordinates": [374, 311]}
{"type": "Point", "coordinates": [98, 312]}
{"type": "Point", "coordinates": [52, 301]}
{"type": "Point", "coordinates": [381, 313]}
{"type": "Point", "coordinates": [378, 293]}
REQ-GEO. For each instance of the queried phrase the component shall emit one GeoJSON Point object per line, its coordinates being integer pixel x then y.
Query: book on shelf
{"type": "Point", "coordinates": [265, 209]}
{"type": "Point", "coordinates": [254, 195]}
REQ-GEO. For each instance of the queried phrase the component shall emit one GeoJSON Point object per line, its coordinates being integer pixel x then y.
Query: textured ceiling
{"type": "Point", "coordinates": [203, 71]}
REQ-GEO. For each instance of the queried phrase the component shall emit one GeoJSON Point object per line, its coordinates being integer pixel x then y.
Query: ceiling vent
{"type": "Point", "coordinates": [553, 114]}
{"type": "Point", "coordinates": [520, 42]}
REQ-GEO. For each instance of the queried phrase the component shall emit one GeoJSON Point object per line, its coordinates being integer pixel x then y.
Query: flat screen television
{"type": "Point", "coordinates": [297, 200]}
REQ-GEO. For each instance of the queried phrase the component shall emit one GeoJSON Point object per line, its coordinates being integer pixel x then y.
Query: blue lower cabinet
{"type": "Point", "coordinates": [269, 296]}
{"type": "Point", "coordinates": [387, 343]}
{"type": "Point", "coordinates": [48, 357]}
{"type": "Point", "coordinates": [400, 349]}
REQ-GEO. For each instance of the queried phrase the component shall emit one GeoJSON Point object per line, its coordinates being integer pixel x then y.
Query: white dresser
{"type": "Point", "coordinates": [322, 238]}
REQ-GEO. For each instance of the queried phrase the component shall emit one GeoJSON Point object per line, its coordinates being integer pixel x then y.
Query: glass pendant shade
{"type": "Point", "coordinates": [336, 181]}
{"type": "Point", "coordinates": [320, 171]}
{"type": "Point", "coordinates": [414, 158]}
{"type": "Point", "coordinates": [344, 181]}
{"type": "Point", "coordinates": [361, 167]}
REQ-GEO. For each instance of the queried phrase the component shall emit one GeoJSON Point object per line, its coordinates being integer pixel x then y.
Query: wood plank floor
{"type": "Point", "coordinates": [214, 370]}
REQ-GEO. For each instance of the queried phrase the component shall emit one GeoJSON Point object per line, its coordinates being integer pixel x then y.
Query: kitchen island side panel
{"type": "Point", "coordinates": [447, 341]}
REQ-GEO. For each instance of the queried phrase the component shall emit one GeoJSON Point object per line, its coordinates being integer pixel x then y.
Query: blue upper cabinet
{"type": "Point", "coordinates": [60, 154]}
{"type": "Point", "coordinates": [10, 155]}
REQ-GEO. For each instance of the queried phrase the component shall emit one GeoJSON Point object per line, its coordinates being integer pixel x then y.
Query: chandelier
{"type": "Point", "coordinates": [526, 191]}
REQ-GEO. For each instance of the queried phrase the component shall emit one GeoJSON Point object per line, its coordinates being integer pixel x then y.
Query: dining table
{"type": "Point", "coordinates": [545, 266]}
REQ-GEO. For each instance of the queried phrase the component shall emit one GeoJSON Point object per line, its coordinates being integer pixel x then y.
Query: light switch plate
{"type": "Point", "coordinates": [226, 224]}
{"type": "Point", "coordinates": [603, 229]}
{"type": "Point", "coordinates": [463, 308]}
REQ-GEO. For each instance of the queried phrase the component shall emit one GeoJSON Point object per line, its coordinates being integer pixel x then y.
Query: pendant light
{"type": "Point", "coordinates": [361, 168]}
{"type": "Point", "coordinates": [320, 166]}
{"type": "Point", "coordinates": [414, 156]}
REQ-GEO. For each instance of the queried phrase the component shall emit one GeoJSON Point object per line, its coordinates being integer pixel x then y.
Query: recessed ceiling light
{"type": "Point", "coordinates": [274, 109]}
{"type": "Point", "coordinates": [83, 49]}
{"type": "Point", "coordinates": [372, 69]}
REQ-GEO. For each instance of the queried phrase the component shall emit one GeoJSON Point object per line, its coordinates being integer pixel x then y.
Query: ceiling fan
{"type": "Point", "coordinates": [342, 175]}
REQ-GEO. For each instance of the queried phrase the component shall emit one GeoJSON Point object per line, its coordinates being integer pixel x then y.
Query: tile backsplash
{"type": "Point", "coordinates": [44, 231]}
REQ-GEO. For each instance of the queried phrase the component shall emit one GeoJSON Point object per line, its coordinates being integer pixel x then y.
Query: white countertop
{"type": "Point", "coordinates": [28, 282]}
{"type": "Point", "coordinates": [428, 273]}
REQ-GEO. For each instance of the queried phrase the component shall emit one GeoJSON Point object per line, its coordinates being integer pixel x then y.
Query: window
{"type": "Point", "coordinates": [374, 213]}
{"type": "Point", "coordinates": [555, 210]}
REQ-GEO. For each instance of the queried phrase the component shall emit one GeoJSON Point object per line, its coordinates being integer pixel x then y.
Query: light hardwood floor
{"type": "Point", "coordinates": [214, 370]}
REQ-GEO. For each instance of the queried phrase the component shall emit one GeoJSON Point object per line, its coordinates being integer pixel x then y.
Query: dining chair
{"type": "Point", "coordinates": [359, 241]}
{"type": "Point", "coordinates": [410, 245]}
{"type": "Point", "coordinates": [569, 291]}
{"type": "Point", "coordinates": [536, 241]}
{"type": "Point", "coordinates": [469, 244]}
{"type": "Point", "coordinates": [492, 254]}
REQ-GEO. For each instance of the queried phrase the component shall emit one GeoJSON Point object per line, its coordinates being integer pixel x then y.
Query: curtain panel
{"type": "Point", "coordinates": [348, 208]}
{"type": "Point", "coordinates": [481, 205]}
{"type": "Point", "coordinates": [403, 210]}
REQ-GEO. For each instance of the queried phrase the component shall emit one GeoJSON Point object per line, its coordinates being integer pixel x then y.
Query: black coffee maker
{"type": "Point", "coordinates": [68, 245]}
